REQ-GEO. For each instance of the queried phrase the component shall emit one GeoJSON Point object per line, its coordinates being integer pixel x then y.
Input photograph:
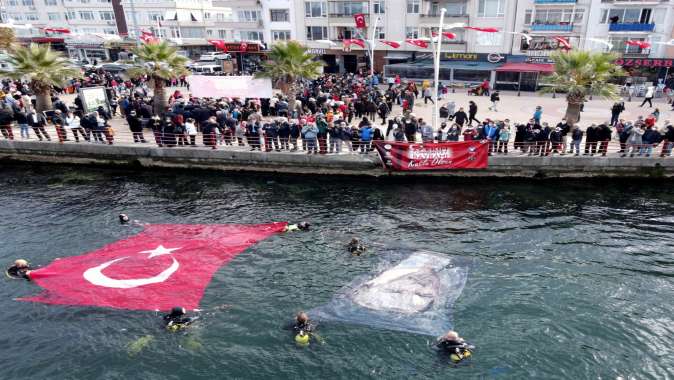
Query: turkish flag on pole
{"type": "Point", "coordinates": [218, 44]}
{"type": "Point", "coordinates": [164, 266]}
{"type": "Point", "coordinates": [354, 41]}
{"type": "Point", "coordinates": [563, 42]}
{"type": "Point", "coordinates": [392, 44]}
{"type": "Point", "coordinates": [416, 42]}
{"type": "Point", "coordinates": [360, 20]}
{"type": "Point", "coordinates": [487, 30]}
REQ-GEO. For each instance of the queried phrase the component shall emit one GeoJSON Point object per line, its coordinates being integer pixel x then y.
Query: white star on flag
{"type": "Point", "coordinates": [160, 250]}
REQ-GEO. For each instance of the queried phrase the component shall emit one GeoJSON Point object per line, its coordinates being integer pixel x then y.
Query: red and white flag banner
{"type": "Point", "coordinates": [359, 18]}
{"type": "Point", "coordinates": [164, 266]}
{"type": "Point", "coordinates": [433, 156]}
{"type": "Point", "coordinates": [417, 42]}
{"type": "Point", "coordinates": [392, 44]}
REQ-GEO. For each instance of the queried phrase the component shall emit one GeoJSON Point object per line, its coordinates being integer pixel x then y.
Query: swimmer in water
{"type": "Point", "coordinates": [177, 319]}
{"type": "Point", "coordinates": [20, 270]}
{"type": "Point", "coordinates": [454, 345]}
{"type": "Point", "coordinates": [124, 219]}
{"type": "Point", "coordinates": [302, 323]}
{"type": "Point", "coordinates": [301, 226]}
{"type": "Point", "coordinates": [355, 247]}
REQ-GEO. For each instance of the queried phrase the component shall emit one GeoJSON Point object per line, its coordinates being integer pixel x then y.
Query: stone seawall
{"type": "Point", "coordinates": [146, 156]}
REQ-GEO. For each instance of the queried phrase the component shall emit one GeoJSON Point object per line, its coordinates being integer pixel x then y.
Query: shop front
{"type": "Point", "coordinates": [247, 56]}
{"type": "Point", "coordinates": [640, 70]}
{"type": "Point", "coordinates": [340, 61]}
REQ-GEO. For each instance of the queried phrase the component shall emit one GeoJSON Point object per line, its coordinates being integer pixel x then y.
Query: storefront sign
{"type": "Point", "coordinates": [433, 156]}
{"type": "Point", "coordinates": [477, 57]}
{"type": "Point", "coordinates": [241, 47]}
{"type": "Point", "coordinates": [638, 62]}
{"type": "Point", "coordinates": [543, 43]}
{"type": "Point", "coordinates": [539, 59]}
{"type": "Point", "coordinates": [93, 97]}
{"type": "Point", "coordinates": [317, 51]}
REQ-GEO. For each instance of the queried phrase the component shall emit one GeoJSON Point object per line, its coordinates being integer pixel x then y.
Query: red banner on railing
{"type": "Point", "coordinates": [433, 156]}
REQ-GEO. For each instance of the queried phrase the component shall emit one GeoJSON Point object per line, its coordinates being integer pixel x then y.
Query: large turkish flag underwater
{"type": "Point", "coordinates": [165, 265]}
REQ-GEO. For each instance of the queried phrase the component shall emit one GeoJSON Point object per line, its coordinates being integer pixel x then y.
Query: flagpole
{"type": "Point", "coordinates": [437, 69]}
{"type": "Point", "coordinates": [372, 43]}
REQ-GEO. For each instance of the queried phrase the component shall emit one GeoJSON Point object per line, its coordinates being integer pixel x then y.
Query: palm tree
{"type": "Point", "coordinates": [580, 74]}
{"type": "Point", "coordinates": [43, 68]}
{"type": "Point", "coordinates": [159, 62]}
{"type": "Point", "coordinates": [287, 65]}
{"type": "Point", "coordinates": [6, 38]}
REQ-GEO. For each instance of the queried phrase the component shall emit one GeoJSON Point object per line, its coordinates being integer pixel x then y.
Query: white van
{"type": "Point", "coordinates": [206, 69]}
{"type": "Point", "coordinates": [213, 55]}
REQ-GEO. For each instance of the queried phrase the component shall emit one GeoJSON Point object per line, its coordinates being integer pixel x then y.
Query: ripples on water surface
{"type": "Point", "coordinates": [568, 281]}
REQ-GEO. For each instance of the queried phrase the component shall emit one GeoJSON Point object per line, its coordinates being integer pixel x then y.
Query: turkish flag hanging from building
{"type": "Point", "coordinates": [433, 156]}
{"type": "Point", "coordinates": [164, 266]}
{"type": "Point", "coordinates": [417, 42]}
{"type": "Point", "coordinates": [360, 20]}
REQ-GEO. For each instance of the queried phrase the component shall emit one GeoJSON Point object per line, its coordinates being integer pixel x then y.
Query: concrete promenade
{"type": "Point", "coordinates": [237, 160]}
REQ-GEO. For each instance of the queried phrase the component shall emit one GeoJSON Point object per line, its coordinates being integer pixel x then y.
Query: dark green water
{"type": "Point", "coordinates": [568, 281]}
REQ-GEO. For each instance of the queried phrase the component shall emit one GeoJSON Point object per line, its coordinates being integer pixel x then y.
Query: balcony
{"type": "Point", "coordinates": [554, 2]}
{"type": "Point", "coordinates": [552, 27]}
{"type": "Point", "coordinates": [631, 27]}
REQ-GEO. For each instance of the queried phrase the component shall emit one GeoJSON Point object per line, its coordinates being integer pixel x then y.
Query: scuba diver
{"type": "Point", "coordinates": [455, 346]}
{"type": "Point", "coordinates": [20, 270]}
{"type": "Point", "coordinates": [124, 219]}
{"type": "Point", "coordinates": [304, 329]}
{"type": "Point", "coordinates": [301, 226]}
{"type": "Point", "coordinates": [355, 247]}
{"type": "Point", "coordinates": [177, 319]}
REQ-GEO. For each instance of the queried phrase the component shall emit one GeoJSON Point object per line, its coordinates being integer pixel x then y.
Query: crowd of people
{"type": "Point", "coordinates": [332, 114]}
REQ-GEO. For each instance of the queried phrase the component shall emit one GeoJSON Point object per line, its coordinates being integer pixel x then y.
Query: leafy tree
{"type": "Point", "coordinates": [580, 74]}
{"type": "Point", "coordinates": [6, 38]}
{"type": "Point", "coordinates": [43, 68]}
{"type": "Point", "coordinates": [159, 62]}
{"type": "Point", "coordinates": [287, 65]}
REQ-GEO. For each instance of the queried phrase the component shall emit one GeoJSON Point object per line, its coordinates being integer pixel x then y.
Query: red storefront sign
{"type": "Point", "coordinates": [241, 47]}
{"type": "Point", "coordinates": [639, 62]}
{"type": "Point", "coordinates": [433, 156]}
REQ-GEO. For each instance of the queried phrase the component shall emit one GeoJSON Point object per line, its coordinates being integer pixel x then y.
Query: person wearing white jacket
{"type": "Point", "coordinates": [73, 123]}
{"type": "Point", "coordinates": [191, 131]}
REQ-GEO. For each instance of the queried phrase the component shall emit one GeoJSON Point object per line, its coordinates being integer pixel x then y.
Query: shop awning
{"type": "Point", "coordinates": [469, 65]}
{"type": "Point", "coordinates": [523, 67]}
{"type": "Point", "coordinates": [398, 56]}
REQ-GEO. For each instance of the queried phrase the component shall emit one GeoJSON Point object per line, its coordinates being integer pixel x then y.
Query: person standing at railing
{"type": "Point", "coordinates": [74, 124]}
{"type": "Point", "coordinates": [191, 130]}
{"type": "Point", "coordinates": [136, 127]}
{"type": "Point", "coordinates": [590, 140]}
{"type": "Point", "coordinates": [604, 137]}
{"type": "Point", "coordinates": [668, 140]}
{"type": "Point", "coordinates": [208, 129]}
{"type": "Point", "coordinates": [576, 138]}
{"type": "Point", "coordinates": [634, 140]}
{"type": "Point", "coordinates": [650, 140]}
{"type": "Point", "coordinates": [58, 122]}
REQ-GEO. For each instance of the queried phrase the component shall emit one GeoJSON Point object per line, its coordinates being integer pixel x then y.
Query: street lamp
{"type": "Point", "coordinates": [437, 70]}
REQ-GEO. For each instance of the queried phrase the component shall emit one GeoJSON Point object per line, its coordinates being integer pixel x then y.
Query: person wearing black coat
{"type": "Point", "coordinates": [616, 110]}
{"type": "Point", "coordinates": [284, 135]}
{"type": "Point", "coordinates": [59, 125]}
{"type": "Point", "coordinates": [591, 139]}
{"type": "Point", "coordinates": [603, 133]}
{"type": "Point", "coordinates": [157, 128]}
{"type": "Point", "coordinates": [410, 126]}
{"type": "Point", "coordinates": [472, 111]}
{"type": "Point", "coordinates": [668, 142]}
{"type": "Point", "coordinates": [37, 122]}
{"type": "Point", "coordinates": [208, 128]}
{"type": "Point", "coordinates": [136, 127]}
{"type": "Point", "coordinates": [383, 111]}
{"type": "Point", "coordinates": [294, 135]}
{"type": "Point", "coordinates": [168, 132]}
{"type": "Point", "coordinates": [271, 137]}
{"type": "Point", "coordinates": [460, 117]}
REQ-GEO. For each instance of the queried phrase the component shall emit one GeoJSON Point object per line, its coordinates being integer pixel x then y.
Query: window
{"type": "Point", "coordinates": [315, 9]}
{"type": "Point", "coordinates": [251, 36]}
{"type": "Point", "coordinates": [222, 33]}
{"type": "Point", "coordinates": [175, 32]}
{"type": "Point", "coordinates": [413, 6]}
{"type": "Point", "coordinates": [71, 15]}
{"type": "Point", "coordinates": [86, 15]}
{"type": "Point", "coordinates": [16, 17]}
{"type": "Point", "coordinates": [413, 32]}
{"type": "Point", "coordinates": [52, 16]}
{"type": "Point", "coordinates": [109, 31]}
{"type": "Point", "coordinates": [626, 15]}
{"type": "Point", "coordinates": [490, 8]}
{"type": "Point", "coordinates": [578, 16]}
{"type": "Point", "coordinates": [528, 15]}
{"type": "Point", "coordinates": [207, 15]}
{"type": "Point", "coordinates": [192, 32]}
{"type": "Point", "coordinates": [280, 35]}
{"type": "Point", "coordinates": [32, 17]}
{"type": "Point", "coordinates": [155, 16]}
{"type": "Point", "coordinates": [209, 33]}
{"type": "Point", "coordinates": [13, 3]}
{"type": "Point", "coordinates": [50, 3]}
{"type": "Point", "coordinates": [249, 16]}
{"type": "Point", "coordinates": [28, 3]}
{"type": "Point", "coordinates": [279, 15]}
{"type": "Point", "coordinates": [347, 8]}
{"type": "Point", "coordinates": [379, 6]}
{"type": "Point", "coordinates": [455, 9]}
{"type": "Point", "coordinates": [106, 15]}
{"type": "Point", "coordinates": [317, 33]}
{"type": "Point", "coordinates": [489, 39]}
{"type": "Point", "coordinates": [379, 33]}
{"type": "Point", "coordinates": [558, 16]}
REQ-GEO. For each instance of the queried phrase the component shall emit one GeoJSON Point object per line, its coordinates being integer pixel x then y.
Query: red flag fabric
{"type": "Point", "coordinates": [488, 30]}
{"type": "Point", "coordinates": [360, 20]}
{"type": "Point", "coordinates": [433, 156]}
{"type": "Point", "coordinates": [354, 41]}
{"type": "Point", "coordinates": [57, 30]}
{"type": "Point", "coordinates": [563, 43]}
{"type": "Point", "coordinates": [417, 42]}
{"type": "Point", "coordinates": [392, 44]}
{"type": "Point", "coordinates": [164, 266]}
{"type": "Point", "coordinates": [148, 37]}
{"type": "Point", "coordinates": [641, 44]}
{"type": "Point", "coordinates": [448, 35]}
{"type": "Point", "coordinates": [219, 44]}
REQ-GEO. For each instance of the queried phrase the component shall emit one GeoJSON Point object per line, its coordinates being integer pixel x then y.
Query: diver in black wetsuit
{"type": "Point", "coordinates": [124, 219]}
{"type": "Point", "coordinates": [20, 270]}
{"type": "Point", "coordinates": [303, 323]}
{"type": "Point", "coordinates": [355, 247]}
{"type": "Point", "coordinates": [301, 226]}
{"type": "Point", "coordinates": [178, 319]}
{"type": "Point", "coordinates": [454, 345]}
